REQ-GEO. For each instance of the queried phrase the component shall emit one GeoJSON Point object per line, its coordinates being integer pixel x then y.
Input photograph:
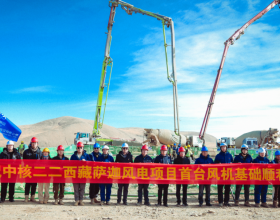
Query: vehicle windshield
{"type": "Point", "coordinates": [255, 142]}
{"type": "Point", "coordinates": [83, 135]}
{"type": "Point", "coordinates": [248, 142]}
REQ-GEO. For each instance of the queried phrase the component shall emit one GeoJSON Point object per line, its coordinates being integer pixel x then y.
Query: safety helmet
{"type": "Point", "coordinates": [189, 146]}
{"type": "Point", "coordinates": [34, 140]}
{"type": "Point", "coordinates": [144, 147]}
{"type": "Point", "coordinates": [163, 147]}
{"type": "Point", "coordinates": [204, 148]}
{"type": "Point", "coordinates": [277, 153]}
{"type": "Point", "coordinates": [46, 150]}
{"type": "Point", "coordinates": [181, 149]}
{"type": "Point", "coordinates": [261, 150]}
{"type": "Point", "coordinates": [10, 143]}
{"type": "Point", "coordinates": [179, 145]}
{"type": "Point", "coordinates": [223, 144]}
{"type": "Point", "coordinates": [125, 145]}
{"type": "Point", "coordinates": [174, 144]}
{"type": "Point", "coordinates": [244, 146]}
{"type": "Point", "coordinates": [22, 142]}
{"type": "Point", "coordinates": [168, 145]}
{"type": "Point", "coordinates": [60, 147]}
{"type": "Point", "coordinates": [80, 144]}
{"type": "Point", "coordinates": [96, 145]}
{"type": "Point", "coordinates": [105, 147]}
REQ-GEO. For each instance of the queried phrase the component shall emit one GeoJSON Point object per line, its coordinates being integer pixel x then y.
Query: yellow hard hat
{"type": "Point", "coordinates": [189, 146]}
{"type": "Point", "coordinates": [22, 142]}
{"type": "Point", "coordinates": [186, 147]}
{"type": "Point", "coordinates": [46, 150]}
{"type": "Point", "coordinates": [168, 145]}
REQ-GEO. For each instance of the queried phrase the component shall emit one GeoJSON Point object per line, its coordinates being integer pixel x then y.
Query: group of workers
{"type": "Point", "coordinates": [124, 156]}
{"type": "Point", "coordinates": [173, 150]}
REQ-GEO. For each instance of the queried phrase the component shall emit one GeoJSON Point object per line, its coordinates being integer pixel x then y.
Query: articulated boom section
{"type": "Point", "coordinates": [166, 21]}
{"type": "Point", "coordinates": [229, 42]}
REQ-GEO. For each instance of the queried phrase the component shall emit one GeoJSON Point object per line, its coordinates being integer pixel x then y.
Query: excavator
{"type": "Point", "coordinates": [95, 137]}
{"type": "Point", "coordinates": [229, 42]}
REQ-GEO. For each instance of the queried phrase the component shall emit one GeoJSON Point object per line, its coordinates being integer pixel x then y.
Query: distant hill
{"type": "Point", "coordinates": [54, 132]}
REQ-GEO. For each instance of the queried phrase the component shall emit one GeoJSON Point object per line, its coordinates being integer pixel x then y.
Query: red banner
{"type": "Point", "coordinates": [56, 171]}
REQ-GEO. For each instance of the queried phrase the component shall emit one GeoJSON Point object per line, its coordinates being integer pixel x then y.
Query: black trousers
{"type": "Point", "coordinates": [276, 193]}
{"type": "Point", "coordinates": [124, 188]}
{"type": "Point", "coordinates": [200, 195]}
{"type": "Point", "coordinates": [93, 190]}
{"type": "Point", "coordinates": [178, 191]}
{"type": "Point", "coordinates": [246, 192]}
{"type": "Point", "coordinates": [142, 187]}
{"type": "Point", "coordinates": [220, 193]}
{"type": "Point", "coordinates": [4, 187]}
{"type": "Point", "coordinates": [31, 186]}
{"type": "Point", "coordinates": [163, 187]}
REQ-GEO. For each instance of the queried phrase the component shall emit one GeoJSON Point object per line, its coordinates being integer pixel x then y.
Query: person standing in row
{"type": "Point", "coordinates": [261, 190]}
{"type": "Point", "coordinates": [105, 157]}
{"type": "Point", "coordinates": [181, 159]}
{"type": "Point", "coordinates": [32, 153]}
{"type": "Point", "coordinates": [164, 159]}
{"type": "Point", "coordinates": [44, 186]}
{"type": "Point", "coordinates": [276, 187]}
{"type": "Point", "coordinates": [243, 157]}
{"type": "Point", "coordinates": [223, 157]}
{"type": "Point", "coordinates": [79, 188]}
{"type": "Point", "coordinates": [10, 152]}
{"type": "Point", "coordinates": [124, 156]}
{"type": "Point", "coordinates": [59, 186]}
{"type": "Point", "coordinates": [143, 158]}
{"type": "Point", "coordinates": [94, 187]}
{"type": "Point", "coordinates": [204, 158]}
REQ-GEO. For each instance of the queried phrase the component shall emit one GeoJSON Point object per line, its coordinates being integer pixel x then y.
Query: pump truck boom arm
{"type": "Point", "coordinates": [166, 21]}
{"type": "Point", "coordinates": [229, 42]}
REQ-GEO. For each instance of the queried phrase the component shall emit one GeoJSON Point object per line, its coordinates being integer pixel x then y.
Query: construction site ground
{"type": "Point", "coordinates": [31, 210]}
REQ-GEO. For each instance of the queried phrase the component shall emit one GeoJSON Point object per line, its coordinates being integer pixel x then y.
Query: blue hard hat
{"type": "Point", "coordinates": [244, 146]}
{"type": "Point", "coordinates": [204, 148]}
{"type": "Point", "coordinates": [96, 145]}
{"type": "Point", "coordinates": [261, 150]}
{"type": "Point", "coordinates": [277, 153]}
{"type": "Point", "coordinates": [174, 144]}
{"type": "Point", "coordinates": [179, 145]}
{"type": "Point", "coordinates": [223, 144]}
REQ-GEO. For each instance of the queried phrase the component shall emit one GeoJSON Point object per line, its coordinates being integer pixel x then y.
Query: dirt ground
{"type": "Point", "coordinates": [30, 210]}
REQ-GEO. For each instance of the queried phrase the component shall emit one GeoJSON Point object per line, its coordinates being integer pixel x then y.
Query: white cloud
{"type": "Point", "coordinates": [34, 89]}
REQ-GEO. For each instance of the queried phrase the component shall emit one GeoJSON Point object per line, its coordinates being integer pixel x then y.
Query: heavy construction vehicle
{"type": "Point", "coordinates": [90, 139]}
{"type": "Point", "coordinates": [229, 42]}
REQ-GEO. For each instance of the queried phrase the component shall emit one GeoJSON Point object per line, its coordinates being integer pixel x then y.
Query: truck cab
{"type": "Point", "coordinates": [229, 141]}
{"type": "Point", "coordinates": [82, 137]}
{"type": "Point", "coordinates": [251, 142]}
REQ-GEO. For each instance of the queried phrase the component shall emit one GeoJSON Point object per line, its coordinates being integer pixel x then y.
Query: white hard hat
{"type": "Point", "coordinates": [245, 146]}
{"type": "Point", "coordinates": [261, 150]}
{"type": "Point", "coordinates": [10, 143]}
{"type": "Point", "coordinates": [105, 147]}
{"type": "Point", "coordinates": [125, 145]}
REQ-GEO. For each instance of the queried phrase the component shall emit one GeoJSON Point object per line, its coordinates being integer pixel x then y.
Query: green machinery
{"type": "Point", "coordinates": [90, 139]}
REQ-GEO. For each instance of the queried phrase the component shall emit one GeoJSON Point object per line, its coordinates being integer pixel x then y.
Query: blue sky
{"type": "Point", "coordinates": [52, 52]}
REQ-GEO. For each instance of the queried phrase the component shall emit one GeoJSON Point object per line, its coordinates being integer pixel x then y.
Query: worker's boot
{"type": "Point", "coordinates": [26, 198]}
{"type": "Point", "coordinates": [257, 205]}
{"type": "Point", "coordinates": [41, 202]}
{"type": "Point", "coordinates": [76, 203]}
{"type": "Point", "coordinates": [61, 202]}
{"type": "Point", "coordinates": [33, 198]}
{"type": "Point", "coordinates": [236, 203]}
{"type": "Point", "coordinates": [275, 204]}
{"type": "Point", "coordinates": [45, 201]}
{"type": "Point", "coordinates": [55, 202]}
{"type": "Point", "coordinates": [264, 204]}
{"type": "Point", "coordinates": [96, 201]}
{"type": "Point", "coordinates": [82, 203]}
{"type": "Point", "coordinates": [247, 203]}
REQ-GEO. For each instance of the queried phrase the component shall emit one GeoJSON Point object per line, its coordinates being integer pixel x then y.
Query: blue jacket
{"type": "Point", "coordinates": [84, 156]}
{"type": "Point", "coordinates": [162, 159]}
{"type": "Point", "coordinates": [93, 156]}
{"type": "Point", "coordinates": [260, 159]}
{"type": "Point", "coordinates": [109, 158]}
{"type": "Point", "coordinates": [223, 157]}
{"type": "Point", "coordinates": [240, 159]}
{"type": "Point", "coordinates": [204, 160]}
{"type": "Point", "coordinates": [141, 159]}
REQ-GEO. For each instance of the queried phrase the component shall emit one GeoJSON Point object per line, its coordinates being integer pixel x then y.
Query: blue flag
{"type": "Point", "coordinates": [9, 130]}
